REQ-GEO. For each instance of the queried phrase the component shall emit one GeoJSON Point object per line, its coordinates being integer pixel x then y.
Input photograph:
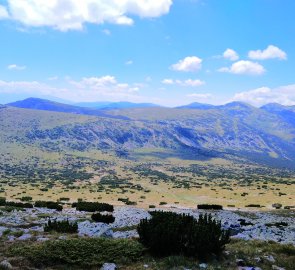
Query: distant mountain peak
{"type": "Point", "coordinates": [235, 104]}
{"type": "Point", "coordinates": [197, 105]}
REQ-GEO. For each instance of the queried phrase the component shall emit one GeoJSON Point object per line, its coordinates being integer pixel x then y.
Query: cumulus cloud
{"type": "Point", "coordinates": [231, 55]}
{"type": "Point", "coordinates": [200, 96]}
{"type": "Point", "coordinates": [3, 12]}
{"type": "Point", "coordinates": [284, 95]}
{"type": "Point", "coordinates": [73, 14]}
{"type": "Point", "coordinates": [188, 64]}
{"type": "Point", "coordinates": [271, 52]}
{"type": "Point", "coordinates": [86, 89]}
{"type": "Point", "coordinates": [16, 67]}
{"type": "Point", "coordinates": [188, 82]}
{"type": "Point", "coordinates": [244, 67]}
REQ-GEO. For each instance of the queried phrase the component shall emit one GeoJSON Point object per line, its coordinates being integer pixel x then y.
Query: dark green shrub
{"type": "Point", "coordinates": [97, 217]}
{"type": "Point", "coordinates": [26, 199]}
{"type": "Point", "coordinates": [93, 206]}
{"type": "Point", "coordinates": [63, 226]}
{"type": "Point", "coordinates": [168, 233]}
{"type": "Point", "coordinates": [49, 205]}
{"type": "Point", "coordinates": [2, 201]}
{"type": "Point", "coordinates": [254, 205]}
{"type": "Point", "coordinates": [19, 204]}
{"type": "Point", "coordinates": [210, 206]}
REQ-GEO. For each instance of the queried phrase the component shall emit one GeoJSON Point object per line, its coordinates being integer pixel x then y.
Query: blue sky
{"type": "Point", "coordinates": [166, 52]}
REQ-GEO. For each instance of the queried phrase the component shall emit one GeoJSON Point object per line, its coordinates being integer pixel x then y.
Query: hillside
{"type": "Point", "coordinates": [234, 130]}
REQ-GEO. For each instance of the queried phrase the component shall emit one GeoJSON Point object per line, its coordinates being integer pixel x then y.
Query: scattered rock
{"type": "Point", "coordinates": [6, 264]}
{"type": "Point", "coordinates": [258, 259]}
{"type": "Point", "coordinates": [87, 228]}
{"type": "Point", "coordinates": [24, 237]}
{"type": "Point", "coordinates": [274, 267]}
{"type": "Point", "coordinates": [249, 268]}
{"type": "Point", "coordinates": [126, 234]}
{"type": "Point", "coordinates": [269, 258]}
{"type": "Point", "coordinates": [240, 262]}
{"type": "Point", "coordinates": [203, 266]}
{"type": "Point", "coordinates": [42, 239]}
{"type": "Point", "coordinates": [108, 266]}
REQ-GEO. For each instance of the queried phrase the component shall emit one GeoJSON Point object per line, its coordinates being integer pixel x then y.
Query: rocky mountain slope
{"type": "Point", "coordinates": [232, 130]}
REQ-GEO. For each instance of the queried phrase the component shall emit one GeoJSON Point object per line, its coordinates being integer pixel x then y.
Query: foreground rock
{"type": "Point", "coordinates": [109, 266]}
{"type": "Point", "coordinates": [243, 225]}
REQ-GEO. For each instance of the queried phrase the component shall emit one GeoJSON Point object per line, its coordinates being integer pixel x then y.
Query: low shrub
{"type": "Point", "coordinates": [254, 205]}
{"type": "Point", "coordinates": [93, 206]}
{"type": "Point", "coordinates": [97, 217]}
{"type": "Point", "coordinates": [26, 199]}
{"type": "Point", "coordinates": [86, 253]}
{"type": "Point", "coordinates": [277, 205]}
{"type": "Point", "coordinates": [210, 206]}
{"type": "Point", "coordinates": [2, 201]}
{"type": "Point", "coordinates": [168, 233]}
{"type": "Point", "coordinates": [63, 226]}
{"type": "Point", "coordinates": [49, 205]}
{"type": "Point", "coordinates": [19, 204]}
{"type": "Point", "coordinates": [243, 222]}
{"type": "Point", "coordinates": [277, 224]}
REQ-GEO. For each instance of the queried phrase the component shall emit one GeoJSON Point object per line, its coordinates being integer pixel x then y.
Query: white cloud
{"type": "Point", "coordinates": [107, 32]}
{"type": "Point", "coordinates": [284, 95]}
{"type": "Point", "coordinates": [168, 81]}
{"type": "Point", "coordinates": [188, 82]}
{"type": "Point", "coordinates": [16, 67]}
{"type": "Point", "coordinates": [188, 64]}
{"type": "Point", "coordinates": [86, 89]}
{"type": "Point", "coordinates": [271, 52]}
{"type": "Point", "coordinates": [30, 87]}
{"type": "Point", "coordinates": [3, 12]}
{"type": "Point", "coordinates": [231, 55]}
{"type": "Point", "coordinates": [73, 14]}
{"type": "Point", "coordinates": [244, 67]}
{"type": "Point", "coordinates": [129, 62]}
{"type": "Point", "coordinates": [200, 96]}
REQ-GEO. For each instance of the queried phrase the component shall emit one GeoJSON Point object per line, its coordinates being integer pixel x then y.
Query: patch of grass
{"type": "Point", "coordinates": [249, 250]}
{"type": "Point", "coordinates": [79, 252]}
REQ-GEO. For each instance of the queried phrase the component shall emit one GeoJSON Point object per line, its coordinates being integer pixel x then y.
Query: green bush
{"type": "Point", "coordinates": [87, 252]}
{"type": "Point", "coordinates": [19, 204]}
{"type": "Point", "coordinates": [63, 226]}
{"type": "Point", "coordinates": [26, 199]}
{"type": "Point", "coordinates": [168, 233]}
{"type": "Point", "coordinates": [253, 205]}
{"type": "Point", "coordinates": [2, 201]}
{"type": "Point", "coordinates": [93, 206]}
{"type": "Point", "coordinates": [49, 205]}
{"type": "Point", "coordinates": [97, 217]}
{"type": "Point", "coordinates": [210, 206]}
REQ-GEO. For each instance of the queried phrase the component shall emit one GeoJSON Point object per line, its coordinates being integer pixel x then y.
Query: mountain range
{"type": "Point", "coordinates": [195, 131]}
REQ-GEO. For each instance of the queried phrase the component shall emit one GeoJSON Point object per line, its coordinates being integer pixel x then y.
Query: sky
{"type": "Point", "coordinates": [168, 52]}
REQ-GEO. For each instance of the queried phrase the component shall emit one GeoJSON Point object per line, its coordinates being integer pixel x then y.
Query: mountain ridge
{"type": "Point", "coordinates": [232, 131]}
